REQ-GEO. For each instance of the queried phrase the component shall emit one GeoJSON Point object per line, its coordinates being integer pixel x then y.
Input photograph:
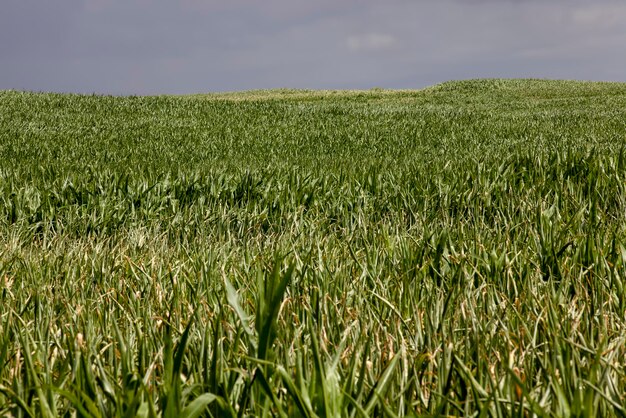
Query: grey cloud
{"type": "Point", "coordinates": [159, 46]}
{"type": "Point", "coordinates": [371, 42]}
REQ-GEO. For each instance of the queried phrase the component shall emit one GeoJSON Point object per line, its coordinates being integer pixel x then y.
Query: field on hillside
{"type": "Point", "coordinates": [458, 250]}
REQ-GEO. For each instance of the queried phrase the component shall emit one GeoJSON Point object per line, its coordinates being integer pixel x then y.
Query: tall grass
{"type": "Point", "coordinates": [458, 250]}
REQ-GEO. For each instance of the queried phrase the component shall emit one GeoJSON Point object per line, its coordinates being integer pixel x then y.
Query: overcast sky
{"type": "Point", "coordinates": [192, 46]}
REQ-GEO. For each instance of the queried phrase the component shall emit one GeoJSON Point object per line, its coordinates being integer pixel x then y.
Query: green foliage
{"type": "Point", "coordinates": [459, 250]}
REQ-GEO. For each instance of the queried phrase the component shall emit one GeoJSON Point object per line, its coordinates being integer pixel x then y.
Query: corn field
{"type": "Point", "coordinates": [458, 250]}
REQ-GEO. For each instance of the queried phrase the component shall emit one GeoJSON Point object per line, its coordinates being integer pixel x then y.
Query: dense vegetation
{"type": "Point", "coordinates": [455, 250]}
